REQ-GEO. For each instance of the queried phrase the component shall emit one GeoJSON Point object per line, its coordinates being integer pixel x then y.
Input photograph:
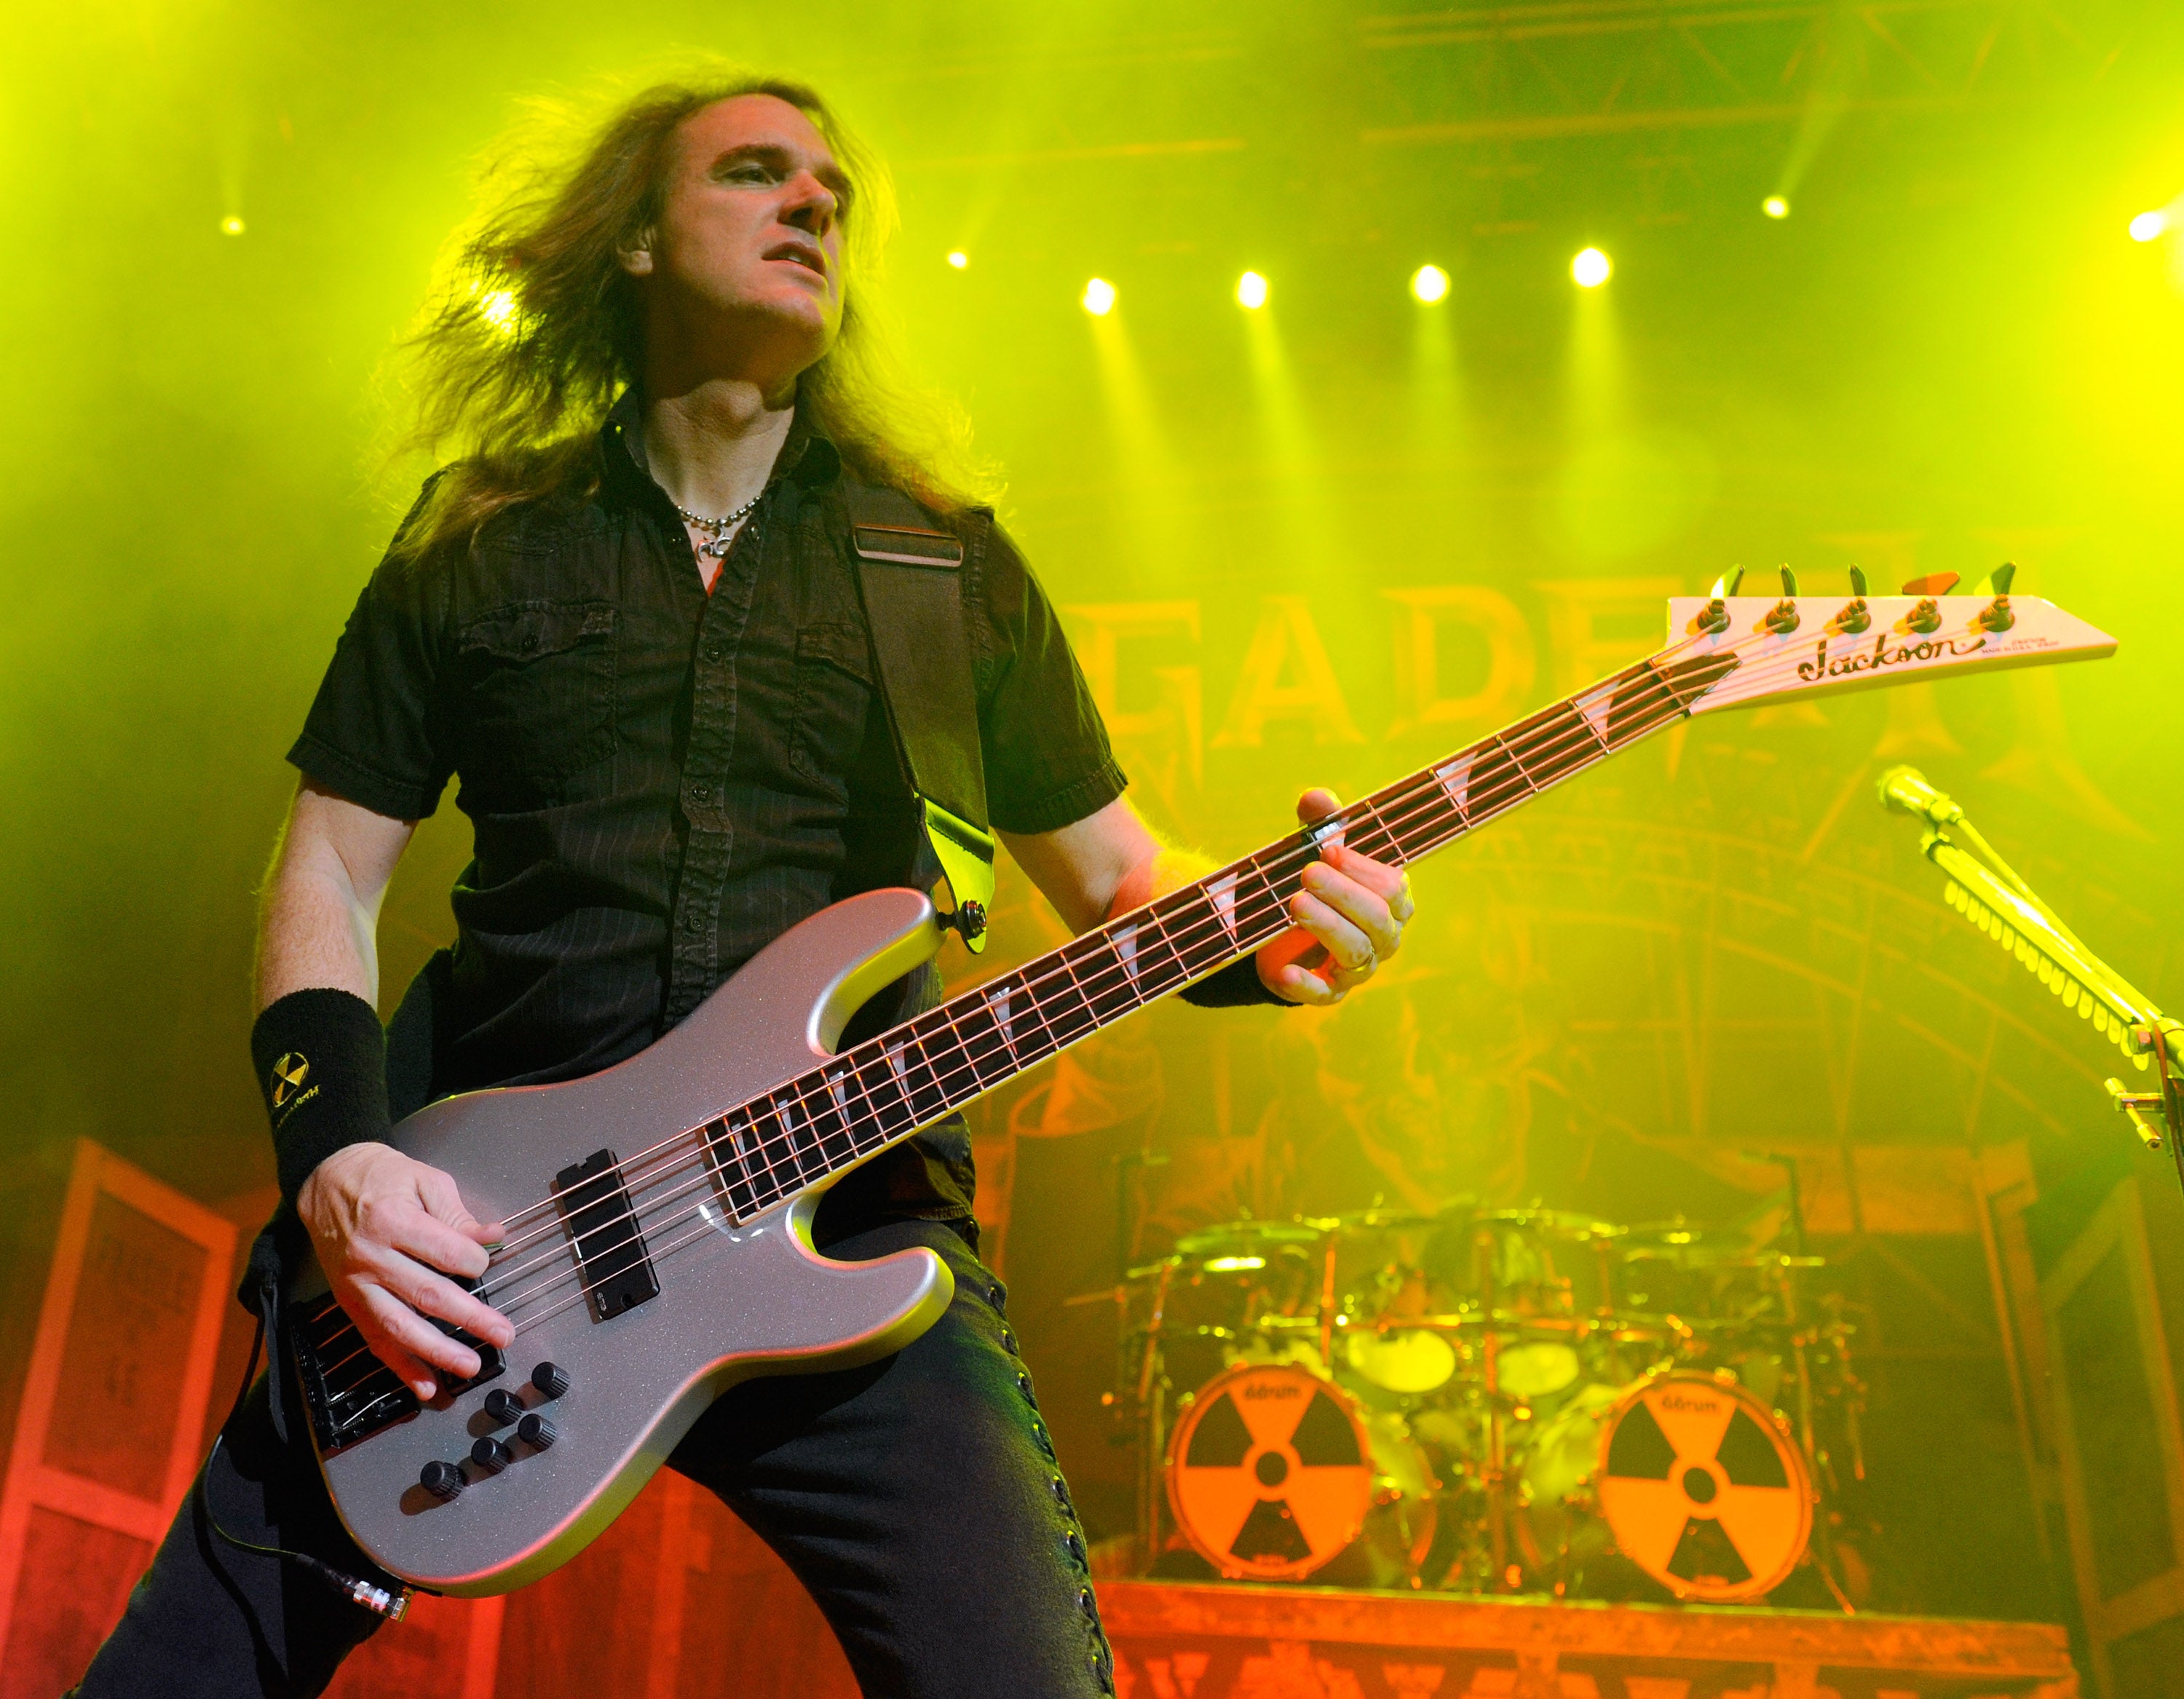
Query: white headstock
{"type": "Point", "coordinates": [1800, 645]}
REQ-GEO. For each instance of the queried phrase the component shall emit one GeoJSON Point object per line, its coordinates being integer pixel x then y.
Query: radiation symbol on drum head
{"type": "Point", "coordinates": [1702, 1489]}
{"type": "Point", "coordinates": [1269, 1473]}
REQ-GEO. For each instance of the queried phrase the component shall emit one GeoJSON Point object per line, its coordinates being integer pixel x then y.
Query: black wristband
{"type": "Point", "coordinates": [1237, 986]}
{"type": "Point", "coordinates": [321, 1060]}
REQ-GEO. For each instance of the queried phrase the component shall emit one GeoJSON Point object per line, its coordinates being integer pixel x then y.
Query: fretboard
{"type": "Point", "coordinates": [797, 1135]}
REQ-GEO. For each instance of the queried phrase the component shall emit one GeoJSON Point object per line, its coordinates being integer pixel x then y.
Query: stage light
{"type": "Point", "coordinates": [958, 258]}
{"type": "Point", "coordinates": [2148, 225]}
{"type": "Point", "coordinates": [231, 226]}
{"type": "Point", "coordinates": [1775, 206]}
{"type": "Point", "coordinates": [1250, 292]}
{"type": "Point", "coordinates": [1430, 284]}
{"type": "Point", "coordinates": [1590, 269]}
{"type": "Point", "coordinates": [499, 309]}
{"type": "Point", "coordinates": [1099, 298]}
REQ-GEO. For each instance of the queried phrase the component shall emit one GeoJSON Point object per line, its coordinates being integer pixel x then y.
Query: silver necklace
{"type": "Point", "coordinates": [717, 531]}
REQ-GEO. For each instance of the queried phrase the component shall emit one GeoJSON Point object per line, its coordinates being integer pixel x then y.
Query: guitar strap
{"type": "Point", "coordinates": [910, 576]}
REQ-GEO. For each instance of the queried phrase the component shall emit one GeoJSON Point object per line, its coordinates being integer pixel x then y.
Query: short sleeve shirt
{"type": "Point", "coordinates": [661, 780]}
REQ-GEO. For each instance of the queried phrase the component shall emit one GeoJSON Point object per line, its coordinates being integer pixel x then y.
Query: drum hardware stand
{"type": "Point", "coordinates": [1327, 1297]}
{"type": "Point", "coordinates": [1130, 1165]}
{"type": "Point", "coordinates": [1987, 891]}
{"type": "Point", "coordinates": [1495, 1477]}
{"type": "Point", "coordinates": [1151, 1394]}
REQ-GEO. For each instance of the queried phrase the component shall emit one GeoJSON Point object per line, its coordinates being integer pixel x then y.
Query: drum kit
{"type": "Point", "coordinates": [1488, 1401]}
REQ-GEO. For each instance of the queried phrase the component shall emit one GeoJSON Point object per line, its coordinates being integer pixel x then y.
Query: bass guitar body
{"type": "Point", "coordinates": [642, 1330]}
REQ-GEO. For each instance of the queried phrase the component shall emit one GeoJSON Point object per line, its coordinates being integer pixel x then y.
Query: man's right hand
{"type": "Point", "coordinates": [388, 1230]}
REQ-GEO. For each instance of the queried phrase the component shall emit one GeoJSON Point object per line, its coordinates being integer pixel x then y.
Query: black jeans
{"type": "Point", "coordinates": [917, 1497]}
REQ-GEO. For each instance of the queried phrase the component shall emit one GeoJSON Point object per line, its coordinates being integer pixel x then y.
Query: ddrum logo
{"type": "Point", "coordinates": [1874, 659]}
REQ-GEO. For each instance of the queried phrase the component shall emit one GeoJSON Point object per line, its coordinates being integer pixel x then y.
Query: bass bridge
{"type": "Point", "coordinates": [349, 1393]}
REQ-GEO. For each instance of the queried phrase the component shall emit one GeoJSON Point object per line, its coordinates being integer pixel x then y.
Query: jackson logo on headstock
{"type": "Point", "coordinates": [1880, 656]}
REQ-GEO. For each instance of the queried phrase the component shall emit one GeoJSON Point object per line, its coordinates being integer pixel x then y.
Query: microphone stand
{"type": "Point", "coordinates": [1988, 892]}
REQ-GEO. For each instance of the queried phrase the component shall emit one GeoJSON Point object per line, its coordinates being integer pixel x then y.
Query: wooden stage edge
{"type": "Point", "coordinates": [1236, 1641]}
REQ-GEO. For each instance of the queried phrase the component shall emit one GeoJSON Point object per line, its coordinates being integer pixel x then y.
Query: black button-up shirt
{"type": "Point", "coordinates": [661, 782]}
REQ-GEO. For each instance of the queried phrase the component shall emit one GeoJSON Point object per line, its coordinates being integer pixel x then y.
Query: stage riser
{"type": "Point", "coordinates": [1212, 1642]}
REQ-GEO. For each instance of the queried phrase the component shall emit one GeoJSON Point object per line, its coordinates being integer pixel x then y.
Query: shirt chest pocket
{"type": "Point", "coordinates": [539, 694]}
{"type": "Point", "coordinates": [833, 692]}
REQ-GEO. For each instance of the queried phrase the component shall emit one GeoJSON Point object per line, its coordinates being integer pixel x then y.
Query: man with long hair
{"type": "Point", "coordinates": [626, 616]}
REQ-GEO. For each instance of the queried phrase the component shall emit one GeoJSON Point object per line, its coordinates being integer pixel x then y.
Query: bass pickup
{"type": "Point", "coordinates": [611, 1258]}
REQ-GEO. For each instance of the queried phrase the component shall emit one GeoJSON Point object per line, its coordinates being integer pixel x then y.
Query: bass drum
{"type": "Point", "coordinates": [1685, 1479]}
{"type": "Point", "coordinates": [1275, 1473]}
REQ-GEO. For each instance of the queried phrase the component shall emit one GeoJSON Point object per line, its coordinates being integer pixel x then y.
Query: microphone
{"type": "Point", "coordinates": [1905, 790]}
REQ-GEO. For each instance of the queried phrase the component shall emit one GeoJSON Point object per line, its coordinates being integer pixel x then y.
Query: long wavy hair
{"type": "Point", "coordinates": [532, 327]}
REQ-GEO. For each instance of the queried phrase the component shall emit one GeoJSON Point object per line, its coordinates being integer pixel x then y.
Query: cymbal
{"type": "Point", "coordinates": [1698, 1255]}
{"type": "Point", "coordinates": [1237, 1237]}
{"type": "Point", "coordinates": [1675, 1230]}
{"type": "Point", "coordinates": [1553, 1223]}
{"type": "Point", "coordinates": [1385, 1221]}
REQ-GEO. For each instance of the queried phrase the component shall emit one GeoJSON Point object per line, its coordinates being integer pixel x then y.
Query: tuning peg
{"type": "Point", "coordinates": [1789, 582]}
{"type": "Point", "coordinates": [1933, 584]}
{"type": "Point", "coordinates": [1726, 584]}
{"type": "Point", "coordinates": [1925, 619]}
{"type": "Point", "coordinates": [1997, 582]}
{"type": "Point", "coordinates": [1857, 580]}
{"type": "Point", "coordinates": [1853, 616]}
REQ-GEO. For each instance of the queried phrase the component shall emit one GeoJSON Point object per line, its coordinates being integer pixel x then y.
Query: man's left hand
{"type": "Point", "coordinates": [1349, 916]}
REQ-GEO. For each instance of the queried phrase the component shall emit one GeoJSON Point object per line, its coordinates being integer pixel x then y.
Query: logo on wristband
{"type": "Point", "coordinates": [289, 1074]}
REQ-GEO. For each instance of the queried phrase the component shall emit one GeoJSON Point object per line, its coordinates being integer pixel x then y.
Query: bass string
{"type": "Point", "coordinates": [849, 1100]}
{"type": "Point", "coordinates": [1468, 822]}
{"type": "Point", "coordinates": [784, 1142]}
{"type": "Point", "coordinates": [820, 1087]}
{"type": "Point", "coordinates": [1497, 801]}
{"type": "Point", "coordinates": [1303, 854]}
{"type": "Point", "coordinates": [764, 1160]}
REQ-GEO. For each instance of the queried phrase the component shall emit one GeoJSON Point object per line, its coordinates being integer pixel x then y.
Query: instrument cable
{"type": "Point", "coordinates": [389, 1602]}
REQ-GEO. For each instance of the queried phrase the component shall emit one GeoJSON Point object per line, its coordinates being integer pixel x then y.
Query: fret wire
{"type": "Point", "coordinates": [1380, 825]}
{"type": "Point", "coordinates": [1066, 984]}
{"type": "Point", "coordinates": [1547, 743]}
{"type": "Point", "coordinates": [890, 1081]}
{"type": "Point", "coordinates": [1502, 742]}
{"type": "Point", "coordinates": [1049, 995]}
{"type": "Point", "coordinates": [1067, 954]}
{"type": "Point", "coordinates": [883, 1067]}
{"type": "Point", "coordinates": [1130, 967]}
{"type": "Point", "coordinates": [758, 1173]}
{"type": "Point", "coordinates": [781, 1111]}
{"type": "Point", "coordinates": [1266, 883]}
{"type": "Point", "coordinates": [1039, 1014]}
{"type": "Point", "coordinates": [1160, 920]}
{"type": "Point", "coordinates": [799, 1137]}
{"type": "Point", "coordinates": [1599, 736]}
